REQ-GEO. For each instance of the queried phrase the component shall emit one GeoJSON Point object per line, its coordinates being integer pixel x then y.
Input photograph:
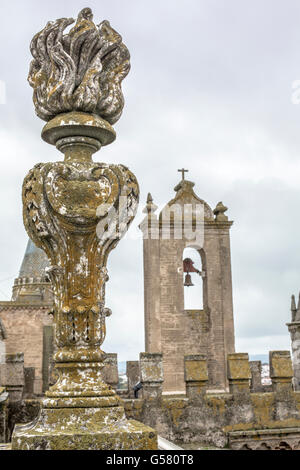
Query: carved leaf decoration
{"type": "Point", "coordinates": [61, 217]}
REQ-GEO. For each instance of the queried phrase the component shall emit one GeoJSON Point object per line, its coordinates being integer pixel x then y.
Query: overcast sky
{"type": "Point", "coordinates": [210, 89]}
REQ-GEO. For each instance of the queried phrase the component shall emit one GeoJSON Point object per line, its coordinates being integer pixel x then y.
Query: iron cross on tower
{"type": "Point", "coordinates": [182, 171]}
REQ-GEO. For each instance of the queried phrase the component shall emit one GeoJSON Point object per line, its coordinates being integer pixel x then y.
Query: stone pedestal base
{"type": "Point", "coordinates": [83, 429]}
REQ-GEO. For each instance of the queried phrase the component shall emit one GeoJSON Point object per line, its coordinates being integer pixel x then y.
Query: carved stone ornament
{"type": "Point", "coordinates": [77, 211]}
{"type": "Point", "coordinates": [78, 71]}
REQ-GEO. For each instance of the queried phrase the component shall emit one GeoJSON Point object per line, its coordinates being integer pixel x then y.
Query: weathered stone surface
{"type": "Point", "coordinates": [239, 373]}
{"type": "Point", "coordinates": [32, 286]}
{"type": "Point", "coordinates": [281, 371]}
{"type": "Point", "coordinates": [133, 376]}
{"type": "Point", "coordinates": [209, 420]}
{"type": "Point", "coordinates": [84, 429]}
{"type": "Point", "coordinates": [4, 399]}
{"type": "Point", "coordinates": [2, 343]}
{"type": "Point", "coordinates": [110, 370]}
{"type": "Point", "coordinates": [256, 369]}
{"type": "Point", "coordinates": [3, 337]}
{"type": "Point", "coordinates": [266, 439]}
{"type": "Point", "coordinates": [12, 375]}
{"type": "Point", "coordinates": [78, 71]}
{"type": "Point", "coordinates": [294, 329]}
{"type": "Point", "coordinates": [28, 312]}
{"type": "Point", "coordinates": [22, 412]}
{"type": "Point", "coordinates": [77, 211]}
{"type": "Point", "coordinates": [29, 377]}
{"type": "Point", "coordinates": [25, 324]}
{"type": "Point", "coordinates": [212, 419]}
{"type": "Point", "coordinates": [195, 375]}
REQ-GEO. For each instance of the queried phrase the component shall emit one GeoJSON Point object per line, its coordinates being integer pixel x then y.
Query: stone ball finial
{"type": "Point", "coordinates": [81, 70]}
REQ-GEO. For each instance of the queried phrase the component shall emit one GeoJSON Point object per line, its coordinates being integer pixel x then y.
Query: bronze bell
{"type": "Point", "coordinates": [188, 281]}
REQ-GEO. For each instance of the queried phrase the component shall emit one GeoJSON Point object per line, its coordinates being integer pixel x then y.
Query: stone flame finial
{"type": "Point", "coordinates": [78, 71]}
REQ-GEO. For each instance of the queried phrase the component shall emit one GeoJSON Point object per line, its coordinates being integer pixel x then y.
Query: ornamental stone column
{"type": "Point", "coordinates": [77, 211]}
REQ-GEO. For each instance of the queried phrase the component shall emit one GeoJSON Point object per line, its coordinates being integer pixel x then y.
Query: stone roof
{"type": "Point", "coordinates": [34, 262]}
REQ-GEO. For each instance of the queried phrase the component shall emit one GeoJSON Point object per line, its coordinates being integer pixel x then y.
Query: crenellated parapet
{"type": "Point", "coordinates": [4, 400]}
{"type": "Point", "coordinates": [239, 373]}
{"type": "Point", "coordinates": [12, 375]}
{"type": "Point", "coordinates": [195, 375]}
{"type": "Point", "coordinates": [241, 418]}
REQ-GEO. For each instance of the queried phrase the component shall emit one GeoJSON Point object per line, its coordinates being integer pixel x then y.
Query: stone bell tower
{"type": "Point", "coordinates": [169, 328]}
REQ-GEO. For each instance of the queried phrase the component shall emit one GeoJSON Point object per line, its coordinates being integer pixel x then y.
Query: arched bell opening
{"type": "Point", "coordinates": [193, 275]}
